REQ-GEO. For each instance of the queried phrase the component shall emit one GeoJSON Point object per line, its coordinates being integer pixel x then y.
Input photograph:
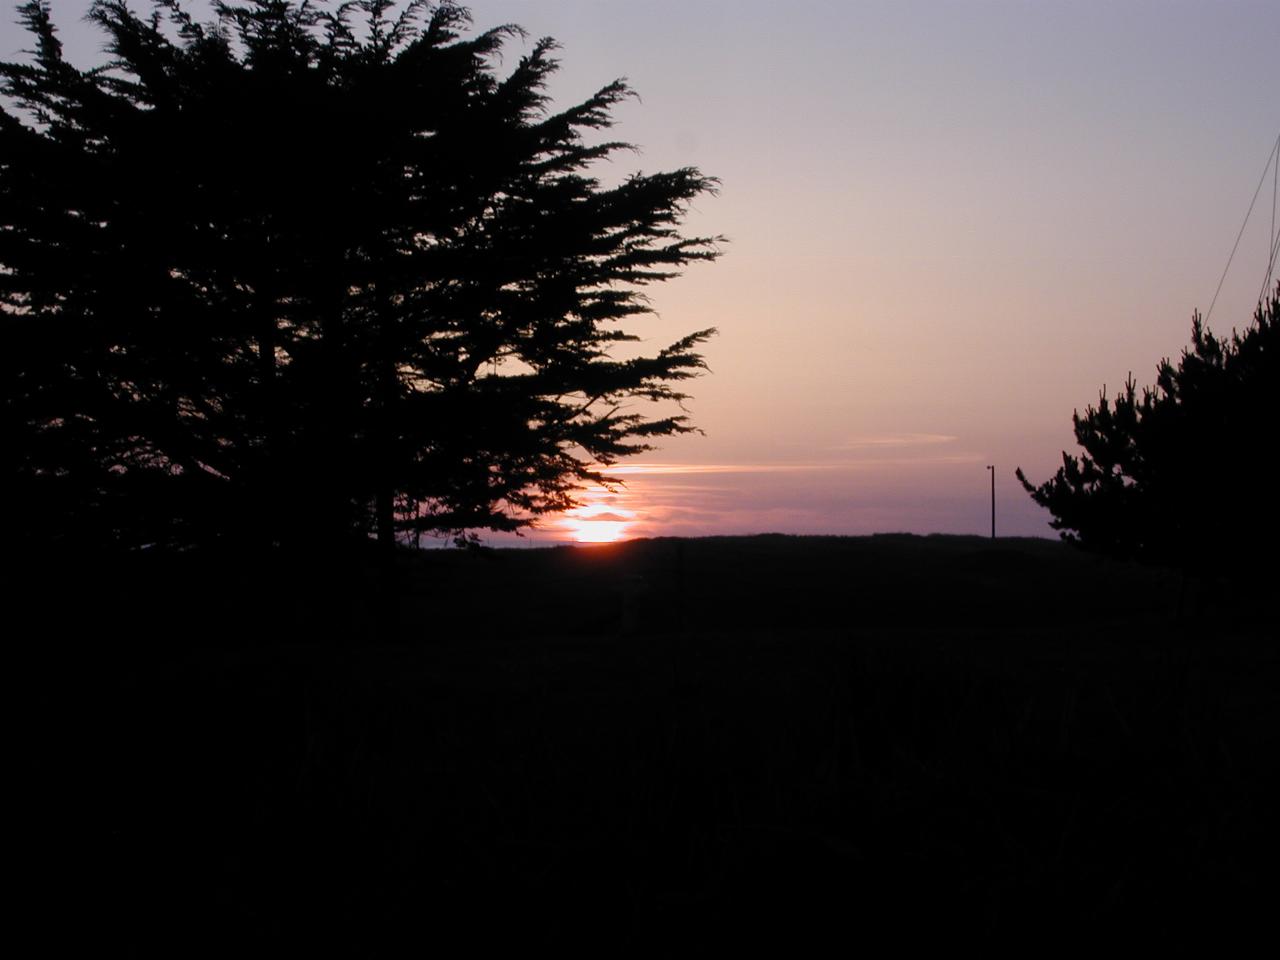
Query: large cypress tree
{"type": "Point", "coordinates": [306, 271]}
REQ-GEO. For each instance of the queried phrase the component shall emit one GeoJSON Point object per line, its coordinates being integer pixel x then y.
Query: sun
{"type": "Point", "coordinates": [598, 531]}
{"type": "Point", "coordinates": [599, 520]}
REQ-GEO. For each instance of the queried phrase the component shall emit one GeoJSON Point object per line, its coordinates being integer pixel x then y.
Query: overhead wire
{"type": "Point", "coordinates": [1275, 184]}
{"type": "Point", "coordinates": [1261, 180]}
{"type": "Point", "coordinates": [1273, 238]}
{"type": "Point", "coordinates": [1271, 265]}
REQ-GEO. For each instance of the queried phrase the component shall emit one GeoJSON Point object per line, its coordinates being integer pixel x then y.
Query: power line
{"type": "Point", "coordinates": [1271, 265]}
{"type": "Point", "coordinates": [1275, 183]}
{"type": "Point", "coordinates": [1273, 238]}
{"type": "Point", "coordinates": [1257, 190]}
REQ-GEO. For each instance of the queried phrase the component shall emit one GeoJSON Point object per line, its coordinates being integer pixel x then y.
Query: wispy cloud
{"type": "Point", "coordinates": [694, 470]}
{"type": "Point", "coordinates": [881, 440]}
{"type": "Point", "coordinates": [669, 469]}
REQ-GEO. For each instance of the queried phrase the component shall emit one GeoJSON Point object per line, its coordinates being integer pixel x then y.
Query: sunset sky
{"type": "Point", "coordinates": [949, 224]}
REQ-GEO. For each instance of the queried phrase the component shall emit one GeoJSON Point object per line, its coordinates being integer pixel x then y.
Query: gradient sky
{"type": "Point", "coordinates": [950, 225]}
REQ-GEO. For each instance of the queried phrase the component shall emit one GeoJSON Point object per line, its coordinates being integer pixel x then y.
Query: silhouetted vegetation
{"type": "Point", "coordinates": [1181, 474]}
{"type": "Point", "coordinates": [304, 272]}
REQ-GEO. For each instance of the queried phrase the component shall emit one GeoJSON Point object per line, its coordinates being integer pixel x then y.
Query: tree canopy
{"type": "Point", "coordinates": [305, 271]}
{"type": "Point", "coordinates": [1180, 474]}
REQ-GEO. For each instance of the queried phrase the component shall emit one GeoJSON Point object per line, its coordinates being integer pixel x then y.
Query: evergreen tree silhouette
{"type": "Point", "coordinates": [1180, 473]}
{"type": "Point", "coordinates": [304, 272]}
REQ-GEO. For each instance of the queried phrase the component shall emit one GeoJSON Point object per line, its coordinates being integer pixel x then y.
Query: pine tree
{"type": "Point", "coordinates": [1181, 474]}
{"type": "Point", "coordinates": [303, 272]}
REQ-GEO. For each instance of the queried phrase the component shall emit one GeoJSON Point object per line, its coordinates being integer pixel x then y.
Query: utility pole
{"type": "Point", "coordinates": [992, 468]}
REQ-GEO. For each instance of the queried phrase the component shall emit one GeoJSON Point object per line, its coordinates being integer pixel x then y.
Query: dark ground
{"type": "Point", "coordinates": [677, 744]}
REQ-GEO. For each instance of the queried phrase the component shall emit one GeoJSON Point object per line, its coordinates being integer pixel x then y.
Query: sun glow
{"type": "Point", "coordinates": [600, 519]}
{"type": "Point", "coordinates": [598, 531]}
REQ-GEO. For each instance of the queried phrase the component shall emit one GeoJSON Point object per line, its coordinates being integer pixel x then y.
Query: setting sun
{"type": "Point", "coordinates": [600, 519]}
{"type": "Point", "coordinates": [597, 531]}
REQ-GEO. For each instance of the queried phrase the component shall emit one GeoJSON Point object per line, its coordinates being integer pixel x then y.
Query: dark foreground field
{"type": "Point", "coordinates": [676, 744]}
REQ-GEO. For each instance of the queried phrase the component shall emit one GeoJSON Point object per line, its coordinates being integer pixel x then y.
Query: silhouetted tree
{"type": "Point", "coordinates": [302, 272]}
{"type": "Point", "coordinates": [1181, 474]}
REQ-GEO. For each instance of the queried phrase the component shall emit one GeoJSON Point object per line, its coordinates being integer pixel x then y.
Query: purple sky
{"type": "Point", "coordinates": [950, 225]}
